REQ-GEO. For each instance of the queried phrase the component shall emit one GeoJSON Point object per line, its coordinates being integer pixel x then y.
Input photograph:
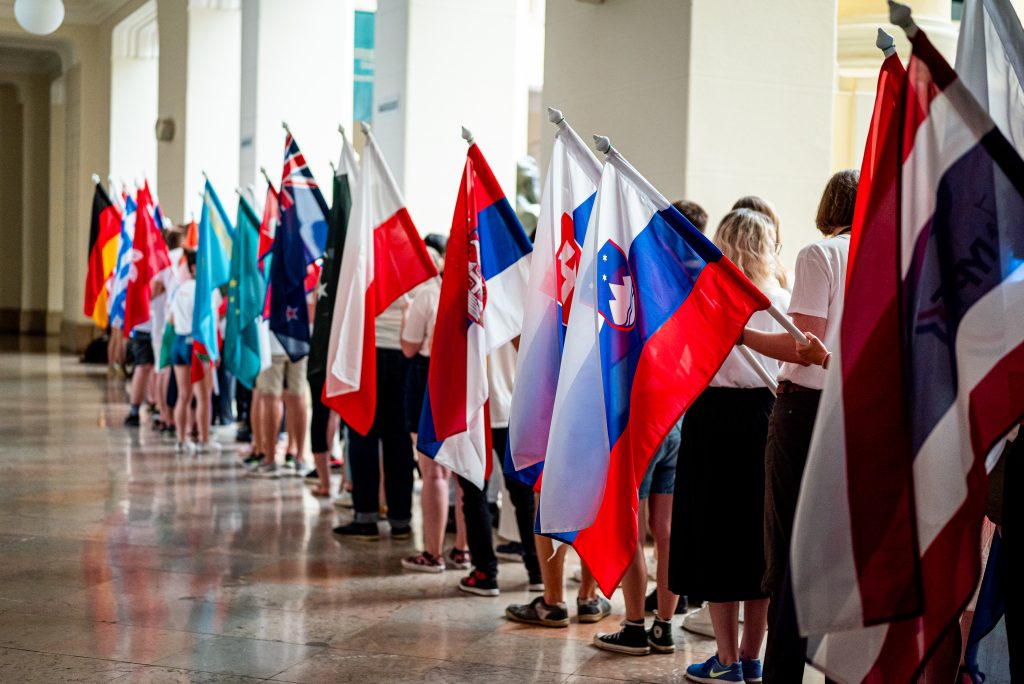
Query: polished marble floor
{"type": "Point", "coordinates": [122, 561]}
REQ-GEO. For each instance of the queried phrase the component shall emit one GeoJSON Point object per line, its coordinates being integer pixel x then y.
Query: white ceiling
{"type": "Point", "coordinates": [77, 11]}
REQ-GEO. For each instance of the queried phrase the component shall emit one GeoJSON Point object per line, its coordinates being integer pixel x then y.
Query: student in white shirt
{"type": "Point", "coordinates": [816, 308]}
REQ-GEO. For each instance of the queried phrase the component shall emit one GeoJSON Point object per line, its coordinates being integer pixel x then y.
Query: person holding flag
{"type": "Point", "coordinates": [384, 258]}
{"type": "Point", "coordinates": [480, 310]}
{"type": "Point", "coordinates": [321, 434]}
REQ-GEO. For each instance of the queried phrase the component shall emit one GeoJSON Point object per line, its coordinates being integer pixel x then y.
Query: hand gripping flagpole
{"type": "Point", "coordinates": [604, 145]}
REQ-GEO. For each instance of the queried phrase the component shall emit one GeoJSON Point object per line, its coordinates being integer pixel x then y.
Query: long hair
{"type": "Point", "coordinates": [765, 207]}
{"type": "Point", "coordinates": [835, 211]}
{"type": "Point", "coordinates": [747, 237]}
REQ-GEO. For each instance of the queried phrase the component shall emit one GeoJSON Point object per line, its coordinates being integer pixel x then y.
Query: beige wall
{"type": "Point", "coordinates": [11, 114]}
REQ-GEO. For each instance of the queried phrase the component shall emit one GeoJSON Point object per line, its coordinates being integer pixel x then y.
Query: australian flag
{"type": "Point", "coordinates": [300, 240]}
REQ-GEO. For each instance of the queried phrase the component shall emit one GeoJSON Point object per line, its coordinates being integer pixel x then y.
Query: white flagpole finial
{"type": "Point", "coordinates": [96, 178]}
{"type": "Point", "coordinates": [205, 177]}
{"type": "Point", "coordinates": [467, 135]}
{"type": "Point", "coordinates": [603, 144]}
{"type": "Point", "coordinates": [901, 15]}
{"type": "Point", "coordinates": [266, 175]}
{"type": "Point", "coordinates": [238, 191]}
{"type": "Point", "coordinates": [555, 116]}
{"type": "Point", "coordinates": [885, 43]}
{"type": "Point", "coordinates": [341, 129]}
{"type": "Point", "coordinates": [364, 126]}
{"type": "Point", "coordinates": [284, 125]}
{"type": "Point", "coordinates": [334, 169]}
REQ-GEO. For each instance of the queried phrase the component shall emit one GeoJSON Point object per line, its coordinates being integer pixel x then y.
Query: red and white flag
{"type": "Point", "coordinates": [149, 258]}
{"type": "Point", "coordinates": [886, 543]}
{"type": "Point", "coordinates": [384, 258]}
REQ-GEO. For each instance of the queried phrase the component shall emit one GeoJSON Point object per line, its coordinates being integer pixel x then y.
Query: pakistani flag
{"type": "Point", "coordinates": [344, 179]}
{"type": "Point", "coordinates": [246, 292]}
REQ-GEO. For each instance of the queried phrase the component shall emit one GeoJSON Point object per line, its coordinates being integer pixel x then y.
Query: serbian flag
{"type": "Point", "coordinates": [384, 257]}
{"type": "Point", "coordinates": [103, 233]}
{"type": "Point", "coordinates": [149, 257]}
{"type": "Point", "coordinates": [487, 266]}
{"type": "Point", "coordinates": [886, 541]}
{"type": "Point", "coordinates": [565, 207]}
{"type": "Point", "coordinates": [657, 309]}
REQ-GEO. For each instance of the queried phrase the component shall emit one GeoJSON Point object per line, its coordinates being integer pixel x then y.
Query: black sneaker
{"type": "Point", "coordinates": [131, 420]}
{"type": "Point", "coordinates": [536, 612]}
{"type": "Point", "coordinates": [631, 640]}
{"type": "Point", "coordinates": [252, 461]}
{"type": "Point", "coordinates": [594, 610]}
{"type": "Point", "coordinates": [401, 531]}
{"type": "Point", "coordinates": [480, 583]}
{"type": "Point", "coordinates": [659, 636]}
{"type": "Point", "coordinates": [312, 476]}
{"type": "Point", "coordinates": [651, 603]}
{"type": "Point", "coordinates": [512, 551]}
{"type": "Point", "coordinates": [358, 530]}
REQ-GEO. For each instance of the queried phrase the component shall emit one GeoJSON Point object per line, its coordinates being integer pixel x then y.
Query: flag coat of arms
{"type": "Point", "coordinates": [246, 292]}
{"type": "Point", "coordinates": [487, 266]}
{"type": "Point", "coordinates": [384, 257]}
{"type": "Point", "coordinates": [149, 258]}
{"type": "Point", "coordinates": [568, 199]}
{"type": "Point", "coordinates": [656, 311]}
{"type": "Point", "coordinates": [213, 257]}
{"type": "Point", "coordinates": [879, 578]}
{"type": "Point", "coordinates": [299, 241]}
{"type": "Point", "coordinates": [122, 270]}
{"type": "Point", "coordinates": [103, 234]}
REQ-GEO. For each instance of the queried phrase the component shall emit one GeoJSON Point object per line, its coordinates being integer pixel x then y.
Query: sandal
{"type": "Point", "coordinates": [321, 492]}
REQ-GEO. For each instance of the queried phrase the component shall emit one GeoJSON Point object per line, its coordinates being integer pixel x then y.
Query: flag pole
{"type": "Point", "coordinates": [761, 371]}
{"type": "Point", "coordinates": [885, 43]}
{"type": "Point", "coordinates": [467, 135]}
{"type": "Point", "coordinates": [96, 178]}
{"type": "Point", "coordinates": [115, 196]}
{"type": "Point", "coordinates": [263, 170]}
{"type": "Point", "coordinates": [900, 15]}
{"type": "Point", "coordinates": [604, 145]}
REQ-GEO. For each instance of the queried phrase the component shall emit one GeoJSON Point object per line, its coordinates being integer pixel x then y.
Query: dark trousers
{"type": "Point", "coordinates": [243, 402]}
{"type": "Point", "coordinates": [320, 415]}
{"type": "Point", "coordinates": [477, 513]}
{"type": "Point", "coordinates": [789, 439]}
{"type": "Point", "coordinates": [387, 434]}
{"type": "Point", "coordinates": [525, 506]}
{"type": "Point", "coordinates": [1011, 566]}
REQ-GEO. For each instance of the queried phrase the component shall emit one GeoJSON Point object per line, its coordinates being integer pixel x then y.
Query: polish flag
{"type": "Point", "coordinates": [384, 258]}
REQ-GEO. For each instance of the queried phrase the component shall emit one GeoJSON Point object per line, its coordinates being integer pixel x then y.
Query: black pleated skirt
{"type": "Point", "coordinates": [717, 549]}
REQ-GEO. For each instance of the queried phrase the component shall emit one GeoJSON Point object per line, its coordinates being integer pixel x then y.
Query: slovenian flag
{"type": "Point", "coordinates": [656, 311]}
{"type": "Point", "coordinates": [483, 289]}
{"type": "Point", "coordinates": [565, 208]}
{"type": "Point", "coordinates": [384, 257]}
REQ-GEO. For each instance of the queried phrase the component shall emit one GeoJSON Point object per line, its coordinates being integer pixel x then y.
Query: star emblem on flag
{"type": "Point", "coordinates": [291, 313]}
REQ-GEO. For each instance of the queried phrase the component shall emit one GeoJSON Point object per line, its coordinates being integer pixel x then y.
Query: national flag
{"type": "Point", "coordinates": [303, 208]}
{"type": "Point", "coordinates": [565, 207]}
{"type": "Point", "coordinates": [890, 84]}
{"type": "Point", "coordinates": [384, 257]}
{"type": "Point", "coordinates": [122, 269]}
{"type": "Point", "coordinates": [246, 292]}
{"type": "Point", "coordinates": [327, 285]}
{"type": "Point", "coordinates": [103, 234]}
{"type": "Point", "coordinates": [885, 546]}
{"type": "Point", "coordinates": [149, 258]}
{"type": "Point", "coordinates": [213, 255]}
{"type": "Point", "coordinates": [487, 266]}
{"type": "Point", "coordinates": [268, 229]}
{"type": "Point", "coordinates": [657, 309]}
{"type": "Point", "coordinates": [990, 63]}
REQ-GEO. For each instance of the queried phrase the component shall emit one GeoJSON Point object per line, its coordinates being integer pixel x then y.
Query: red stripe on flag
{"type": "Point", "coordinates": [358, 408]}
{"type": "Point", "coordinates": [486, 189]}
{"type": "Point", "coordinates": [675, 366]}
{"type": "Point", "coordinates": [997, 401]}
{"type": "Point", "coordinates": [108, 224]}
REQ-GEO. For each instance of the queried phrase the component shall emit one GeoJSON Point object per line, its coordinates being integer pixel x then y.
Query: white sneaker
{"type": "Point", "coordinates": [344, 500]}
{"type": "Point", "coordinates": [267, 470]}
{"type": "Point", "coordinates": [699, 622]}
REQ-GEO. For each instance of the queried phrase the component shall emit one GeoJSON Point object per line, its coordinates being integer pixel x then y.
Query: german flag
{"type": "Point", "coordinates": [103, 237]}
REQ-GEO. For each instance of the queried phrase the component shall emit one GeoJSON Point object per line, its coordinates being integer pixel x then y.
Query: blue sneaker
{"type": "Point", "coordinates": [712, 671]}
{"type": "Point", "coordinates": [751, 670]}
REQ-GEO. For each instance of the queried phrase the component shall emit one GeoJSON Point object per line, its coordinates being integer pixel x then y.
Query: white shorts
{"type": "Point", "coordinates": [273, 380]}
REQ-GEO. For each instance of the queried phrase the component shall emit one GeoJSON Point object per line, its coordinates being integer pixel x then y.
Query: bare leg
{"type": "Point", "coordinates": [297, 418]}
{"type": "Point", "coordinates": [755, 624]}
{"type": "Point", "coordinates": [203, 389]}
{"type": "Point", "coordinates": [660, 507]}
{"type": "Point", "coordinates": [271, 424]}
{"type": "Point", "coordinates": [256, 422]}
{"type": "Point", "coordinates": [181, 374]}
{"type": "Point", "coordinates": [634, 584]}
{"type": "Point", "coordinates": [434, 504]}
{"type": "Point", "coordinates": [725, 618]}
{"type": "Point", "coordinates": [140, 382]}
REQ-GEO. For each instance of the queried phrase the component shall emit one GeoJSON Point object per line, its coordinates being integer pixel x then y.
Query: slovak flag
{"type": "Point", "coordinates": [656, 311]}
{"type": "Point", "coordinates": [487, 266]}
{"type": "Point", "coordinates": [149, 257]}
{"type": "Point", "coordinates": [565, 208]}
{"type": "Point", "coordinates": [384, 257]}
{"type": "Point", "coordinates": [887, 533]}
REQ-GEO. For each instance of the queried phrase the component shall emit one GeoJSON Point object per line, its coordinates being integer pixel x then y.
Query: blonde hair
{"type": "Point", "coordinates": [747, 237]}
{"type": "Point", "coordinates": [765, 207]}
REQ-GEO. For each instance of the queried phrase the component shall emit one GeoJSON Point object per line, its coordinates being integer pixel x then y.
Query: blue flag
{"type": "Point", "coordinates": [246, 292]}
{"type": "Point", "coordinates": [212, 269]}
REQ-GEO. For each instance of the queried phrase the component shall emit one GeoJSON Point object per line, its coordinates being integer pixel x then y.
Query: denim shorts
{"type": "Point", "coordinates": [661, 473]}
{"type": "Point", "coordinates": [181, 351]}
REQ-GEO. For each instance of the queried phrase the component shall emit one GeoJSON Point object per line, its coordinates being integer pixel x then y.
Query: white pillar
{"type": "Point", "coordinates": [134, 74]}
{"type": "Point", "coordinates": [297, 67]}
{"type": "Point", "coordinates": [441, 65]}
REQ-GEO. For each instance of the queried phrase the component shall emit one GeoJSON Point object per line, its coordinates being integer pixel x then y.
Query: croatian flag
{"type": "Point", "coordinates": [149, 258]}
{"type": "Point", "coordinates": [879, 578]}
{"type": "Point", "coordinates": [565, 208]}
{"type": "Point", "coordinates": [656, 311]}
{"type": "Point", "coordinates": [122, 272]}
{"type": "Point", "coordinates": [487, 265]}
{"type": "Point", "coordinates": [384, 257]}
